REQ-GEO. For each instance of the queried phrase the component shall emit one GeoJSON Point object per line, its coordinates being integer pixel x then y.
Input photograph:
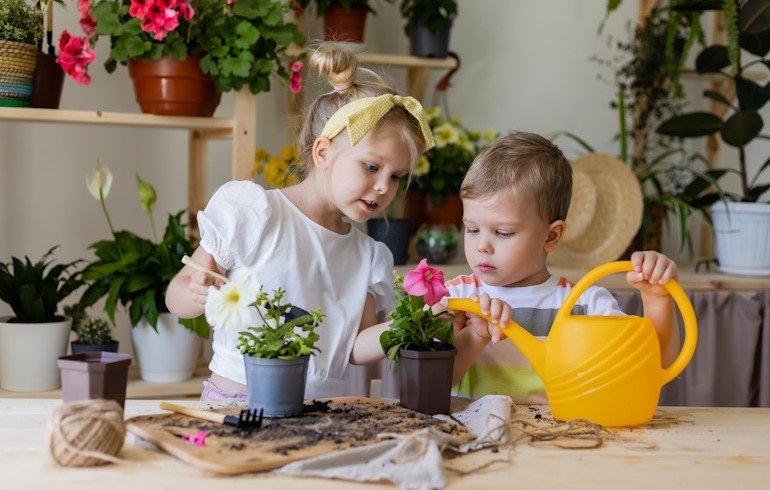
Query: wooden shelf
{"type": "Point", "coordinates": [240, 128]}
{"type": "Point", "coordinates": [137, 388]}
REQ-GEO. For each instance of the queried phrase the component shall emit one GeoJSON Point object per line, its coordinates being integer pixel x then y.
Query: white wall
{"type": "Point", "coordinates": [525, 66]}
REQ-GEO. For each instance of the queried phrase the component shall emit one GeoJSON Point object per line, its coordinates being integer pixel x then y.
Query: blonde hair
{"type": "Point", "coordinates": [523, 164]}
{"type": "Point", "coordinates": [350, 83]}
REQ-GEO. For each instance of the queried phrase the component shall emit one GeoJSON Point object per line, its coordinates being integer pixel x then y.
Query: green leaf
{"type": "Point", "coordinates": [694, 124]}
{"type": "Point", "coordinates": [741, 128]}
{"type": "Point", "coordinates": [712, 59]}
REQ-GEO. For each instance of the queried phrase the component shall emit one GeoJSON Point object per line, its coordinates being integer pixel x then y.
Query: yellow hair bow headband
{"type": "Point", "coordinates": [361, 115]}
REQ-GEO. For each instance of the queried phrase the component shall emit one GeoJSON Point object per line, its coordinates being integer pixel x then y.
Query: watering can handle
{"type": "Point", "coordinates": [673, 288]}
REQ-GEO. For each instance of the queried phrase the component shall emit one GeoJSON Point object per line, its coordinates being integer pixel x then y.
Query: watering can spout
{"type": "Point", "coordinates": [532, 347]}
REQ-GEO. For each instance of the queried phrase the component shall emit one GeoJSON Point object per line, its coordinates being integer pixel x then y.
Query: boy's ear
{"type": "Point", "coordinates": [321, 151]}
{"type": "Point", "coordinates": [555, 234]}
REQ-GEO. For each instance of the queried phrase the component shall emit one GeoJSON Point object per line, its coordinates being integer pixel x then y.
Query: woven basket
{"type": "Point", "coordinates": [17, 70]}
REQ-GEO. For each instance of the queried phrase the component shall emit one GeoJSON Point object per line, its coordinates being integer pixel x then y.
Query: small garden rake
{"type": "Point", "coordinates": [248, 419]}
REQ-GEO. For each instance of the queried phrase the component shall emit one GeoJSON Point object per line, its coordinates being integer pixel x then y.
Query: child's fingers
{"type": "Point", "coordinates": [485, 303]}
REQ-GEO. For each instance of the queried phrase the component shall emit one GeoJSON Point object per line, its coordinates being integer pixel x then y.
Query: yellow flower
{"type": "Point", "coordinates": [422, 167]}
{"type": "Point", "coordinates": [276, 168]}
{"type": "Point", "coordinates": [445, 134]}
{"type": "Point", "coordinates": [288, 153]}
{"type": "Point", "coordinates": [433, 112]}
{"type": "Point", "coordinates": [490, 135]}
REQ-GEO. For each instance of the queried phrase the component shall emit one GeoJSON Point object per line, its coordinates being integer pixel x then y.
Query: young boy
{"type": "Point", "coordinates": [515, 200]}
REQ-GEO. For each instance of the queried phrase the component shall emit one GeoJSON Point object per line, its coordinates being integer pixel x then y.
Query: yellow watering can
{"type": "Point", "coordinates": [602, 368]}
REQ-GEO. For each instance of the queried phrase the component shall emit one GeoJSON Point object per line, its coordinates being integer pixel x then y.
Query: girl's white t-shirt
{"type": "Point", "coordinates": [250, 230]}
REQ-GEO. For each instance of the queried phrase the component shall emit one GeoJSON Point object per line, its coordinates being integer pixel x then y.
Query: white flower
{"type": "Point", "coordinates": [99, 178]}
{"type": "Point", "coordinates": [445, 134]}
{"type": "Point", "coordinates": [228, 307]}
{"type": "Point", "coordinates": [422, 167]}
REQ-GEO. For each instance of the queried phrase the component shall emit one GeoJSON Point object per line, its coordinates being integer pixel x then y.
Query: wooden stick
{"type": "Point", "coordinates": [191, 412]}
{"type": "Point", "coordinates": [187, 260]}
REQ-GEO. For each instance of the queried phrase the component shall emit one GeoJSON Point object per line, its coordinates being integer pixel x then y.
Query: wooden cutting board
{"type": "Point", "coordinates": [325, 426]}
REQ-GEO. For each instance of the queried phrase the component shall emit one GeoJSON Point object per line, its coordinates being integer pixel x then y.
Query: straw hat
{"type": "Point", "coordinates": [604, 215]}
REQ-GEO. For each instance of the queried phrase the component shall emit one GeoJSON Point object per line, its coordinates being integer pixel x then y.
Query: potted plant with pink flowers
{"type": "Point", "coordinates": [421, 341]}
{"type": "Point", "coordinates": [229, 44]}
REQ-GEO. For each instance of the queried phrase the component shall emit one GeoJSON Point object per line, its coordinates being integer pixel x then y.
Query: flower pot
{"type": "Point", "coordinates": [17, 70]}
{"type": "Point", "coordinates": [741, 237]}
{"type": "Point", "coordinates": [168, 355]}
{"type": "Point", "coordinates": [29, 352]}
{"type": "Point", "coordinates": [428, 44]}
{"type": "Point", "coordinates": [394, 233]}
{"type": "Point", "coordinates": [77, 347]}
{"type": "Point", "coordinates": [419, 209]}
{"type": "Point", "coordinates": [276, 386]}
{"type": "Point", "coordinates": [437, 243]}
{"type": "Point", "coordinates": [341, 24]}
{"type": "Point", "coordinates": [48, 82]}
{"type": "Point", "coordinates": [172, 87]}
{"type": "Point", "coordinates": [94, 375]}
{"type": "Point", "coordinates": [425, 380]}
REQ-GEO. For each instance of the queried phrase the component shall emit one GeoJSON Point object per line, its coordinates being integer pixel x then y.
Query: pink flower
{"type": "Point", "coordinates": [75, 54]}
{"type": "Point", "coordinates": [296, 66]}
{"type": "Point", "coordinates": [427, 282]}
{"type": "Point", "coordinates": [198, 439]}
{"type": "Point", "coordinates": [159, 17]}
{"type": "Point", "coordinates": [87, 22]}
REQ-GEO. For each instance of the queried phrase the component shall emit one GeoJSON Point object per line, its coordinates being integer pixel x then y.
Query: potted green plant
{"type": "Point", "coordinates": [344, 20]}
{"type": "Point", "coordinates": [428, 24]}
{"type": "Point", "coordinates": [135, 272]}
{"type": "Point", "coordinates": [742, 222]}
{"type": "Point", "coordinates": [93, 334]}
{"type": "Point", "coordinates": [235, 44]}
{"type": "Point", "coordinates": [437, 243]}
{"type": "Point", "coordinates": [36, 335]}
{"type": "Point", "coordinates": [434, 196]}
{"type": "Point", "coordinates": [421, 341]}
{"type": "Point", "coordinates": [676, 182]}
{"type": "Point", "coordinates": [276, 349]}
{"type": "Point", "coordinates": [21, 29]}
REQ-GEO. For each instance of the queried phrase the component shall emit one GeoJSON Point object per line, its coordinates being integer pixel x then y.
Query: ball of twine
{"type": "Point", "coordinates": [86, 433]}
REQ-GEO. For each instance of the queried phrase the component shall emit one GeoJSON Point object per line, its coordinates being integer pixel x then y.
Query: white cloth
{"type": "Point", "coordinates": [415, 462]}
{"type": "Point", "coordinates": [252, 231]}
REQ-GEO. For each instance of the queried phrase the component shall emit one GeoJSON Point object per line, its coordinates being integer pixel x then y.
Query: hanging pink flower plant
{"type": "Point", "coordinates": [75, 54]}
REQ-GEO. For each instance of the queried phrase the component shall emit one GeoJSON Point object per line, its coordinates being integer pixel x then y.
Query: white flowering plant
{"type": "Point", "coordinates": [266, 326]}
{"type": "Point", "coordinates": [440, 171]}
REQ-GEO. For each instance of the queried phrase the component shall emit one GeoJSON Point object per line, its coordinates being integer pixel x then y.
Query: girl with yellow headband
{"type": "Point", "coordinates": [357, 143]}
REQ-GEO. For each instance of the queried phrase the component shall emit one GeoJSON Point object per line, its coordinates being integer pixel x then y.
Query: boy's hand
{"type": "Point", "coordinates": [499, 311]}
{"type": "Point", "coordinates": [200, 281]}
{"type": "Point", "coordinates": [651, 271]}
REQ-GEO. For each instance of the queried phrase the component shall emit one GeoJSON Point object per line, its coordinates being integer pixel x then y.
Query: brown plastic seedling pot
{"type": "Point", "coordinates": [94, 375]}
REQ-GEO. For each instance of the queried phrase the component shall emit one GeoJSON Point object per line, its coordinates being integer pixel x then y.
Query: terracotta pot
{"type": "Point", "coordinates": [425, 380]}
{"type": "Point", "coordinates": [341, 24]}
{"type": "Point", "coordinates": [420, 210]}
{"type": "Point", "coordinates": [172, 87]}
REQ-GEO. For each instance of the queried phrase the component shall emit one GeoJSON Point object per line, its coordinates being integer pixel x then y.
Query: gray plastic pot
{"type": "Point", "coordinates": [276, 386]}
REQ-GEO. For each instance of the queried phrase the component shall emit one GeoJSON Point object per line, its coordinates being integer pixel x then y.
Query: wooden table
{"type": "Point", "coordinates": [703, 448]}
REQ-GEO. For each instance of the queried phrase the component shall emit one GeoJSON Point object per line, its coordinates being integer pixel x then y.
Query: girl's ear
{"type": "Point", "coordinates": [555, 234]}
{"type": "Point", "coordinates": [321, 152]}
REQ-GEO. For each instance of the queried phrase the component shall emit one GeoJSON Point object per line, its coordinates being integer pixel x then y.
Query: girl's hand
{"type": "Point", "coordinates": [651, 271]}
{"type": "Point", "coordinates": [200, 281]}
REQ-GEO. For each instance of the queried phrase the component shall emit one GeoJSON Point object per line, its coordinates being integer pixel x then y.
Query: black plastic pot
{"type": "Point", "coordinates": [78, 347]}
{"type": "Point", "coordinates": [394, 233]}
{"type": "Point", "coordinates": [428, 44]}
{"type": "Point", "coordinates": [425, 380]}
